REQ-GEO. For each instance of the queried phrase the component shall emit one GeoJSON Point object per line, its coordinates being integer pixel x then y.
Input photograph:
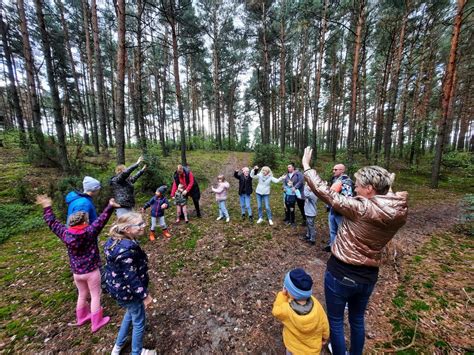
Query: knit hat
{"type": "Point", "coordinates": [90, 184]}
{"type": "Point", "coordinates": [162, 189]}
{"type": "Point", "coordinates": [298, 284]}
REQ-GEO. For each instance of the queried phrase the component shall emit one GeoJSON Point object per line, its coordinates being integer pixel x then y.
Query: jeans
{"type": "Point", "coordinates": [135, 316]}
{"type": "Point", "coordinates": [245, 204]}
{"type": "Point", "coordinates": [334, 220]}
{"type": "Point", "coordinates": [356, 295]}
{"type": "Point", "coordinates": [161, 222]}
{"type": "Point", "coordinates": [264, 199]}
{"type": "Point", "coordinates": [223, 209]}
{"type": "Point", "coordinates": [310, 231]}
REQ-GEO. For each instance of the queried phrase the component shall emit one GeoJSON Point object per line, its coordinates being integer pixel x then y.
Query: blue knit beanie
{"type": "Point", "coordinates": [162, 189]}
{"type": "Point", "coordinates": [90, 184]}
{"type": "Point", "coordinates": [298, 284]}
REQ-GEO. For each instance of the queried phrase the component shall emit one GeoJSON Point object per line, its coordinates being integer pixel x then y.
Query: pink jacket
{"type": "Point", "coordinates": [221, 191]}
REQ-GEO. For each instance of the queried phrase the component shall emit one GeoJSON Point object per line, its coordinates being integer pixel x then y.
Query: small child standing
{"type": "Point", "coordinates": [291, 194]}
{"type": "Point", "coordinates": [126, 278]}
{"type": "Point", "coordinates": [221, 197]}
{"type": "Point", "coordinates": [84, 257]}
{"type": "Point", "coordinates": [181, 201]}
{"type": "Point", "coordinates": [310, 211]}
{"type": "Point", "coordinates": [305, 324]}
{"type": "Point", "coordinates": [158, 205]}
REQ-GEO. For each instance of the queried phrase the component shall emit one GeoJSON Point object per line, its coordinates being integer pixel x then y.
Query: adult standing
{"type": "Point", "coordinates": [245, 190]}
{"type": "Point", "coordinates": [370, 221]}
{"type": "Point", "coordinates": [122, 186]}
{"type": "Point", "coordinates": [82, 201]}
{"type": "Point", "coordinates": [265, 177]}
{"type": "Point", "coordinates": [342, 184]}
{"type": "Point", "coordinates": [184, 176]}
{"type": "Point", "coordinates": [297, 178]}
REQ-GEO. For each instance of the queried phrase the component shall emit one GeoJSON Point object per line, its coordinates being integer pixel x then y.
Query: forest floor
{"type": "Point", "coordinates": [214, 283]}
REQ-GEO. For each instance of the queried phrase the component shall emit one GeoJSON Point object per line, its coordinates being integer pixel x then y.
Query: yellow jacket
{"type": "Point", "coordinates": [302, 334]}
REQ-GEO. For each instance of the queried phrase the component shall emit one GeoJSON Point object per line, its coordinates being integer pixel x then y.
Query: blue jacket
{"type": "Point", "coordinates": [78, 201]}
{"type": "Point", "coordinates": [298, 182]}
{"type": "Point", "coordinates": [126, 271]}
{"type": "Point", "coordinates": [155, 203]}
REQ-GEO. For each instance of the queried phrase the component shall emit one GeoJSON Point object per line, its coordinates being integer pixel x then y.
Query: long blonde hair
{"type": "Point", "coordinates": [266, 168]}
{"type": "Point", "coordinates": [117, 231]}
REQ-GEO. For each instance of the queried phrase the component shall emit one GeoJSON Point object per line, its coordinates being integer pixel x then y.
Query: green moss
{"type": "Point", "coordinates": [7, 311]}
{"type": "Point", "coordinates": [419, 305]}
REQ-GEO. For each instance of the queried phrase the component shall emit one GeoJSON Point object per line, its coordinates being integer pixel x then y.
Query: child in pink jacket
{"type": "Point", "coordinates": [221, 197]}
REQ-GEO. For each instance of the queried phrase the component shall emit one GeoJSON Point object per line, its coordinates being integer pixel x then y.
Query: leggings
{"type": "Point", "coordinates": [88, 284]}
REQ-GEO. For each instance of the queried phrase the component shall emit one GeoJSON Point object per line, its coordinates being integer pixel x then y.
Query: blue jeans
{"type": "Point", "coordinates": [264, 199]}
{"type": "Point", "coordinates": [222, 209]}
{"type": "Point", "coordinates": [356, 295]}
{"type": "Point", "coordinates": [134, 316]}
{"type": "Point", "coordinates": [245, 204]}
{"type": "Point", "coordinates": [334, 220]}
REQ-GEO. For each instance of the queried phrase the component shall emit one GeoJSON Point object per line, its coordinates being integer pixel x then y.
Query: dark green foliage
{"type": "Point", "coordinates": [457, 159]}
{"type": "Point", "coordinates": [266, 154]}
{"type": "Point", "coordinates": [154, 176]}
{"type": "Point", "coordinates": [16, 218]}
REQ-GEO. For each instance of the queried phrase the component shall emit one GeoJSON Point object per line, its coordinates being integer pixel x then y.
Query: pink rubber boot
{"type": "Point", "coordinates": [98, 321]}
{"type": "Point", "coordinates": [82, 315]}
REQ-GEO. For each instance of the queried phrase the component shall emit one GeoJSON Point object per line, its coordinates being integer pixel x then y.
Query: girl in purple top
{"type": "Point", "coordinates": [84, 258]}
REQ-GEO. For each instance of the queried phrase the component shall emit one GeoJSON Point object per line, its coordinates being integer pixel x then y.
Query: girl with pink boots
{"type": "Point", "coordinates": [84, 258]}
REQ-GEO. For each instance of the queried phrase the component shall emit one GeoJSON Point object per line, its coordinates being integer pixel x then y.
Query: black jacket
{"type": "Point", "coordinates": [245, 183]}
{"type": "Point", "coordinates": [122, 187]}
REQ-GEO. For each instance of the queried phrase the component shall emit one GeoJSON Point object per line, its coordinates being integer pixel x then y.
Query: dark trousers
{"type": "Point", "coordinates": [300, 203]}
{"type": "Point", "coordinates": [196, 204]}
{"type": "Point", "coordinates": [290, 211]}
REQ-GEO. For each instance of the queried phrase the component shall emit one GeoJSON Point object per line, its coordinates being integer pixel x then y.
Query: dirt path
{"type": "Point", "coordinates": [214, 283]}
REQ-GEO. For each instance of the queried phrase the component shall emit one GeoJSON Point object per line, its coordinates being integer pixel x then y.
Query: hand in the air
{"type": "Point", "coordinates": [44, 201]}
{"type": "Point", "coordinates": [113, 203]}
{"type": "Point", "coordinates": [306, 160]}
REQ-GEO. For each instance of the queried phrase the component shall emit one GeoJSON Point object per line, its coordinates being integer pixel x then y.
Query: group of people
{"type": "Point", "coordinates": [363, 225]}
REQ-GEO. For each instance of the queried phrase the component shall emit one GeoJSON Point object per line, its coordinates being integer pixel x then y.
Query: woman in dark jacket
{"type": "Point", "coordinates": [122, 186]}
{"type": "Point", "coordinates": [245, 190]}
{"type": "Point", "coordinates": [370, 221]}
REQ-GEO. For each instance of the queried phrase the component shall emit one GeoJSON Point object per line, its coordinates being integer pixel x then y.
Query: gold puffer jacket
{"type": "Point", "coordinates": [368, 224]}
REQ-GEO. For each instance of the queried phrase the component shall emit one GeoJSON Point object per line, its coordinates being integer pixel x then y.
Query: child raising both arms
{"type": "Point", "coordinates": [80, 239]}
{"type": "Point", "coordinates": [305, 324]}
{"type": "Point", "coordinates": [126, 277]}
{"type": "Point", "coordinates": [158, 204]}
{"type": "Point", "coordinates": [221, 197]}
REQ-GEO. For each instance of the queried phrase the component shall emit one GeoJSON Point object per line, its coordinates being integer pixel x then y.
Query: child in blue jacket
{"type": "Point", "coordinates": [158, 205]}
{"type": "Point", "coordinates": [126, 277]}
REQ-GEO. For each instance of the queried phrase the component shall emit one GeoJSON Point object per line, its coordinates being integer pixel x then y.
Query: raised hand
{"type": "Point", "coordinates": [306, 160]}
{"type": "Point", "coordinates": [140, 159]}
{"type": "Point", "coordinates": [255, 167]}
{"type": "Point", "coordinates": [44, 201]}
{"type": "Point", "coordinates": [113, 203]}
{"type": "Point", "coordinates": [144, 167]}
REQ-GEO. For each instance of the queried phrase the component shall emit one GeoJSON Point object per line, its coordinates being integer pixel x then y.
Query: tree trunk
{"type": "Point", "coordinates": [282, 78]}
{"type": "Point", "coordinates": [58, 119]}
{"type": "Point", "coordinates": [30, 77]}
{"type": "Point", "coordinates": [100, 77]}
{"type": "Point", "coordinates": [393, 89]}
{"type": "Point", "coordinates": [447, 92]}
{"type": "Point", "coordinates": [11, 78]}
{"type": "Point", "coordinates": [355, 78]}
{"type": "Point", "coordinates": [120, 86]}
{"type": "Point", "coordinates": [90, 67]}
{"type": "Point", "coordinates": [265, 79]}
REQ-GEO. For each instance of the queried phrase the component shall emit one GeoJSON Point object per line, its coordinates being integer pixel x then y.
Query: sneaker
{"type": "Point", "coordinates": [177, 220]}
{"type": "Point", "coordinates": [251, 219]}
{"type": "Point", "coordinates": [243, 217]}
{"type": "Point", "coordinates": [187, 220]}
{"type": "Point", "coordinates": [166, 234]}
{"type": "Point", "coordinates": [270, 222]}
{"type": "Point", "coordinates": [330, 347]}
{"type": "Point", "coordinates": [260, 220]}
{"type": "Point", "coordinates": [227, 219]}
{"type": "Point", "coordinates": [219, 218]}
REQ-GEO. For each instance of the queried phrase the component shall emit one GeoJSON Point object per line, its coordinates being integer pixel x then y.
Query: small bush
{"type": "Point", "coordinates": [266, 154]}
{"type": "Point", "coordinates": [457, 159]}
{"type": "Point", "coordinates": [154, 175]}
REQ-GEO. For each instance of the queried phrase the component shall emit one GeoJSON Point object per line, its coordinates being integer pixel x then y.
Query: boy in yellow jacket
{"type": "Point", "coordinates": [305, 324]}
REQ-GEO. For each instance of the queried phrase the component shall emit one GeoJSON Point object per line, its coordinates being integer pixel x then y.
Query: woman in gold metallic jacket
{"type": "Point", "coordinates": [371, 220]}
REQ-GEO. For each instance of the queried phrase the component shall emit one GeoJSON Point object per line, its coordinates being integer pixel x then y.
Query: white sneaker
{"type": "Point", "coordinates": [219, 218]}
{"type": "Point", "coordinates": [270, 222]}
{"type": "Point", "coordinates": [227, 219]}
{"type": "Point", "coordinates": [260, 220]}
{"type": "Point", "coordinates": [116, 350]}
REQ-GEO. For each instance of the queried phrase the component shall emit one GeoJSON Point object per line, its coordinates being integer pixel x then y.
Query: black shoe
{"type": "Point", "coordinates": [243, 217]}
{"type": "Point", "coordinates": [327, 248]}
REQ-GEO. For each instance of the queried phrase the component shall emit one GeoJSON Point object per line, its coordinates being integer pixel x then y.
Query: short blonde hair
{"type": "Point", "coordinates": [117, 231]}
{"type": "Point", "coordinates": [120, 168]}
{"type": "Point", "coordinates": [379, 178]}
{"type": "Point", "coordinates": [266, 168]}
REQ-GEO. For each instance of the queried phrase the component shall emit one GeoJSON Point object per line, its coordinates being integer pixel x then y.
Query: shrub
{"type": "Point", "coordinates": [266, 154]}
{"type": "Point", "coordinates": [154, 175]}
{"type": "Point", "coordinates": [457, 159]}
